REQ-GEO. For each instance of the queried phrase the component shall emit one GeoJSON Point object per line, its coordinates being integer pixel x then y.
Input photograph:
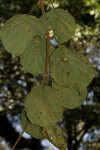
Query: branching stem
{"type": "Point", "coordinates": [41, 4]}
{"type": "Point", "coordinates": [47, 54]}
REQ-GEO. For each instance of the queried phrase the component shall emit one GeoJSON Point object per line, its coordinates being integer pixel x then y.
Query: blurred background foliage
{"type": "Point", "coordinates": [82, 125]}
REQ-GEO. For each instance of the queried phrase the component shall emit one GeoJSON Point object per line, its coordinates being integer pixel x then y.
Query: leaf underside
{"type": "Point", "coordinates": [68, 91]}
{"type": "Point", "coordinates": [18, 31]}
{"type": "Point", "coordinates": [68, 88]}
{"type": "Point", "coordinates": [47, 106]}
{"type": "Point", "coordinates": [61, 22]}
{"type": "Point", "coordinates": [31, 129]}
{"type": "Point", "coordinates": [24, 36]}
{"type": "Point", "coordinates": [56, 136]}
{"type": "Point", "coordinates": [33, 58]}
{"type": "Point", "coordinates": [70, 79]}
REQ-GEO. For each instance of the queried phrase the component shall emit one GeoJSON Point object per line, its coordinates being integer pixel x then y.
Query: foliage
{"type": "Point", "coordinates": [33, 46]}
{"type": "Point", "coordinates": [32, 51]}
{"type": "Point", "coordinates": [93, 7]}
{"type": "Point", "coordinates": [81, 128]}
{"type": "Point", "coordinates": [88, 20]}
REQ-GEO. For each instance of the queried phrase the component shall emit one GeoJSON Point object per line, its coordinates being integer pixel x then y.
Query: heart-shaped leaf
{"type": "Point", "coordinates": [33, 58]}
{"type": "Point", "coordinates": [70, 77]}
{"type": "Point", "coordinates": [56, 136]}
{"type": "Point", "coordinates": [18, 31]}
{"type": "Point", "coordinates": [43, 106]}
{"type": "Point", "coordinates": [61, 22]}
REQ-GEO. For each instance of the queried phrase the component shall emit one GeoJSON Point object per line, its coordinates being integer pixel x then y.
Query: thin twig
{"type": "Point", "coordinates": [19, 136]}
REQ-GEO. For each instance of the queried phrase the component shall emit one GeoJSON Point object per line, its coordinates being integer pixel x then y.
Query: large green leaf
{"type": "Point", "coordinates": [70, 69]}
{"type": "Point", "coordinates": [43, 106]}
{"type": "Point", "coordinates": [18, 31]}
{"type": "Point", "coordinates": [33, 58]}
{"type": "Point", "coordinates": [31, 129]}
{"type": "Point", "coordinates": [72, 74]}
{"type": "Point", "coordinates": [61, 22]}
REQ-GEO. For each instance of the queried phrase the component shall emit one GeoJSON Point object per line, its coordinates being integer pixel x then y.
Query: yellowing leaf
{"type": "Point", "coordinates": [56, 136]}
{"type": "Point", "coordinates": [31, 129]}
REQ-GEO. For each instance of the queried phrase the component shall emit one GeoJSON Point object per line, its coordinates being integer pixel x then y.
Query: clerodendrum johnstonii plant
{"type": "Point", "coordinates": [64, 73]}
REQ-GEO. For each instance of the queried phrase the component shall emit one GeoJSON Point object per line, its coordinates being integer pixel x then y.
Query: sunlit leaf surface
{"type": "Point", "coordinates": [24, 36]}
